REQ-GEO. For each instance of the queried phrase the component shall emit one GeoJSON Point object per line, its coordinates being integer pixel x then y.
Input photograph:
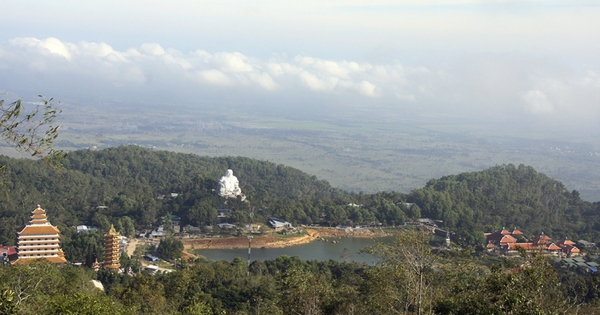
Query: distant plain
{"type": "Point", "coordinates": [354, 154]}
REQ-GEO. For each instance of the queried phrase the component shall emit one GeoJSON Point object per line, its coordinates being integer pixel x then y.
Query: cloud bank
{"type": "Point", "coordinates": [491, 84]}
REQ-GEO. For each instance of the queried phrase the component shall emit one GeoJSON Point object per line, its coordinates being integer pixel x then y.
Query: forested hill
{"type": "Point", "coordinates": [507, 196]}
{"type": "Point", "coordinates": [121, 186]}
{"type": "Point", "coordinates": [128, 179]}
{"type": "Point", "coordinates": [163, 170]}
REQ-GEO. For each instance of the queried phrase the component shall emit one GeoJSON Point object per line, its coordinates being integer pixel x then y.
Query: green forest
{"type": "Point", "coordinates": [409, 279]}
{"type": "Point", "coordinates": [121, 186]}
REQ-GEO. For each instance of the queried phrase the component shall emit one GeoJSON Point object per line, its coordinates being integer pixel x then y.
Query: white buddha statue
{"type": "Point", "coordinates": [229, 186]}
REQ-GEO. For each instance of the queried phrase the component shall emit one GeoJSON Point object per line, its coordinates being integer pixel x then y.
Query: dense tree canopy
{"type": "Point", "coordinates": [414, 281]}
{"type": "Point", "coordinates": [131, 188]}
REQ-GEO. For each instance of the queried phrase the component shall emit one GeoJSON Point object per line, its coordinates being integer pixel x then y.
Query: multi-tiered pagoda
{"type": "Point", "coordinates": [39, 240]}
{"type": "Point", "coordinates": [112, 249]}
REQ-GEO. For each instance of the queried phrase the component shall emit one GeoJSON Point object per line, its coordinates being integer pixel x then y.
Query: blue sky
{"type": "Point", "coordinates": [522, 60]}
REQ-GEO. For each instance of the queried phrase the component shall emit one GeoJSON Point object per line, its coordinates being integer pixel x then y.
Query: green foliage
{"type": "Point", "coordinates": [85, 304]}
{"type": "Point", "coordinates": [126, 181]}
{"type": "Point", "coordinates": [405, 272]}
{"type": "Point", "coordinates": [304, 292]}
{"type": "Point", "coordinates": [170, 248]}
{"type": "Point", "coordinates": [31, 131]}
{"type": "Point", "coordinates": [505, 196]}
{"type": "Point", "coordinates": [410, 280]}
{"type": "Point", "coordinates": [7, 302]}
{"type": "Point", "coordinates": [531, 288]}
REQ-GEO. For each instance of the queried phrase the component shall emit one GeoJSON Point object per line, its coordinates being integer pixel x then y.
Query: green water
{"type": "Point", "coordinates": [346, 248]}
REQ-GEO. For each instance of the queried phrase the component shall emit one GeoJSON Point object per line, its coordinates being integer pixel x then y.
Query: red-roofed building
{"type": "Point", "coordinates": [525, 246]}
{"type": "Point", "coordinates": [39, 240]}
{"type": "Point", "coordinates": [516, 232]}
{"type": "Point", "coordinates": [499, 239]}
{"type": "Point", "coordinates": [571, 250]}
{"type": "Point", "coordinates": [543, 239]}
{"type": "Point", "coordinates": [565, 242]}
{"type": "Point", "coordinates": [568, 247]}
{"type": "Point", "coordinates": [8, 253]}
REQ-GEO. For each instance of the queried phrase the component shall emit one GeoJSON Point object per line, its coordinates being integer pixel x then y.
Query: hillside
{"type": "Point", "coordinates": [120, 186]}
{"type": "Point", "coordinates": [127, 180]}
{"type": "Point", "coordinates": [507, 196]}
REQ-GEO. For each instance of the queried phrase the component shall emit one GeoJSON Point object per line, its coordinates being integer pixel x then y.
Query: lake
{"type": "Point", "coordinates": [315, 250]}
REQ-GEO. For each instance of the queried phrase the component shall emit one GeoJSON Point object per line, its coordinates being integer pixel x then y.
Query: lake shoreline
{"type": "Point", "coordinates": [310, 235]}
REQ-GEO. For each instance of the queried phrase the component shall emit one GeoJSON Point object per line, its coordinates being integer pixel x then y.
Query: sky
{"type": "Point", "coordinates": [525, 62]}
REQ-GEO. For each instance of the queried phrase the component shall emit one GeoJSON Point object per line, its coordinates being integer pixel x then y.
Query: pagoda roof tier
{"type": "Point", "coordinates": [47, 247]}
{"type": "Point", "coordinates": [34, 241]}
{"type": "Point", "coordinates": [39, 230]}
{"type": "Point", "coordinates": [54, 259]}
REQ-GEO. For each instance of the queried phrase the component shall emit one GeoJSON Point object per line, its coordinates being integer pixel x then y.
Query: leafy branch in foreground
{"type": "Point", "coordinates": [32, 131]}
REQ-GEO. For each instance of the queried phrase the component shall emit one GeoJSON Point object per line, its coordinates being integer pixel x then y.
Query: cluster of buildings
{"type": "Point", "coordinates": [506, 242]}
{"type": "Point", "coordinates": [40, 240]}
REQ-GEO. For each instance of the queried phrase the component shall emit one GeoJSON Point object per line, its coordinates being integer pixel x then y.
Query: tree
{"type": "Point", "coordinates": [406, 265]}
{"type": "Point", "coordinates": [32, 131]}
{"type": "Point", "coordinates": [170, 248]}
{"type": "Point", "coordinates": [303, 292]}
{"type": "Point", "coordinates": [532, 287]}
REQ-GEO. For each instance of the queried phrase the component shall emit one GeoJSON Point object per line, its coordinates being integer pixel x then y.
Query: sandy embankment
{"type": "Point", "coordinates": [242, 242]}
{"type": "Point", "coordinates": [276, 242]}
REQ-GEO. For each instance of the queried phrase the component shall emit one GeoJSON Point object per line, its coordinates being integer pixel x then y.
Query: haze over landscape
{"type": "Point", "coordinates": [300, 157]}
{"type": "Point", "coordinates": [394, 92]}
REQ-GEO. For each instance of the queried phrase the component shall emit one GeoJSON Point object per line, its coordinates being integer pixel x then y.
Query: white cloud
{"type": "Point", "coordinates": [231, 62]}
{"type": "Point", "coordinates": [537, 102]}
{"type": "Point", "coordinates": [152, 49]}
{"type": "Point", "coordinates": [49, 45]}
{"type": "Point", "coordinates": [216, 77]}
{"type": "Point", "coordinates": [502, 84]}
{"type": "Point", "coordinates": [367, 88]}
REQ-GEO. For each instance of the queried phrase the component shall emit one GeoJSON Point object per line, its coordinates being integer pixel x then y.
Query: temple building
{"type": "Point", "coordinates": [39, 240]}
{"type": "Point", "coordinates": [112, 249]}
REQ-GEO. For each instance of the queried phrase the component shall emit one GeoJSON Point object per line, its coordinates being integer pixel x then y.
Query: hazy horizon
{"type": "Point", "coordinates": [528, 64]}
{"type": "Point", "coordinates": [477, 72]}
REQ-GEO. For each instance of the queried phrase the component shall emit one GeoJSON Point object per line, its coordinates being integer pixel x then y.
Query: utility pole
{"type": "Point", "coordinates": [250, 238]}
{"type": "Point", "coordinates": [249, 252]}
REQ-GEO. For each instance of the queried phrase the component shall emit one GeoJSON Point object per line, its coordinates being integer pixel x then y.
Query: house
{"type": "Point", "coordinates": [226, 225]}
{"type": "Point", "coordinates": [159, 232]}
{"type": "Point", "coordinates": [579, 262]}
{"type": "Point", "coordinates": [542, 239]}
{"type": "Point", "coordinates": [277, 223]}
{"type": "Point", "coordinates": [500, 238]}
{"type": "Point", "coordinates": [253, 227]}
{"type": "Point", "coordinates": [568, 247]}
{"type": "Point", "coordinates": [151, 258]}
{"type": "Point", "coordinates": [571, 250]}
{"type": "Point", "coordinates": [506, 242]}
{"type": "Point", "coordinates": [223, 213]}
{"type": "Point", "coordinates": [191, 229]}
{"type": "Point", "coordinates": [584, 243]}
{"type": "Point", "coordinates": [85, 228]}
{"type": "Point", "coordinates": [427, 221]}
{"type": "Point", "coordinates": [8, 253]}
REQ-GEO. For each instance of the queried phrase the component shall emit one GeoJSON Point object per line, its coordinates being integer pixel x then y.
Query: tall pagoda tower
{"type": "Point", "coordinates": [112, 249]}
{"type": "Point", "coordinates": [39, 239]}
